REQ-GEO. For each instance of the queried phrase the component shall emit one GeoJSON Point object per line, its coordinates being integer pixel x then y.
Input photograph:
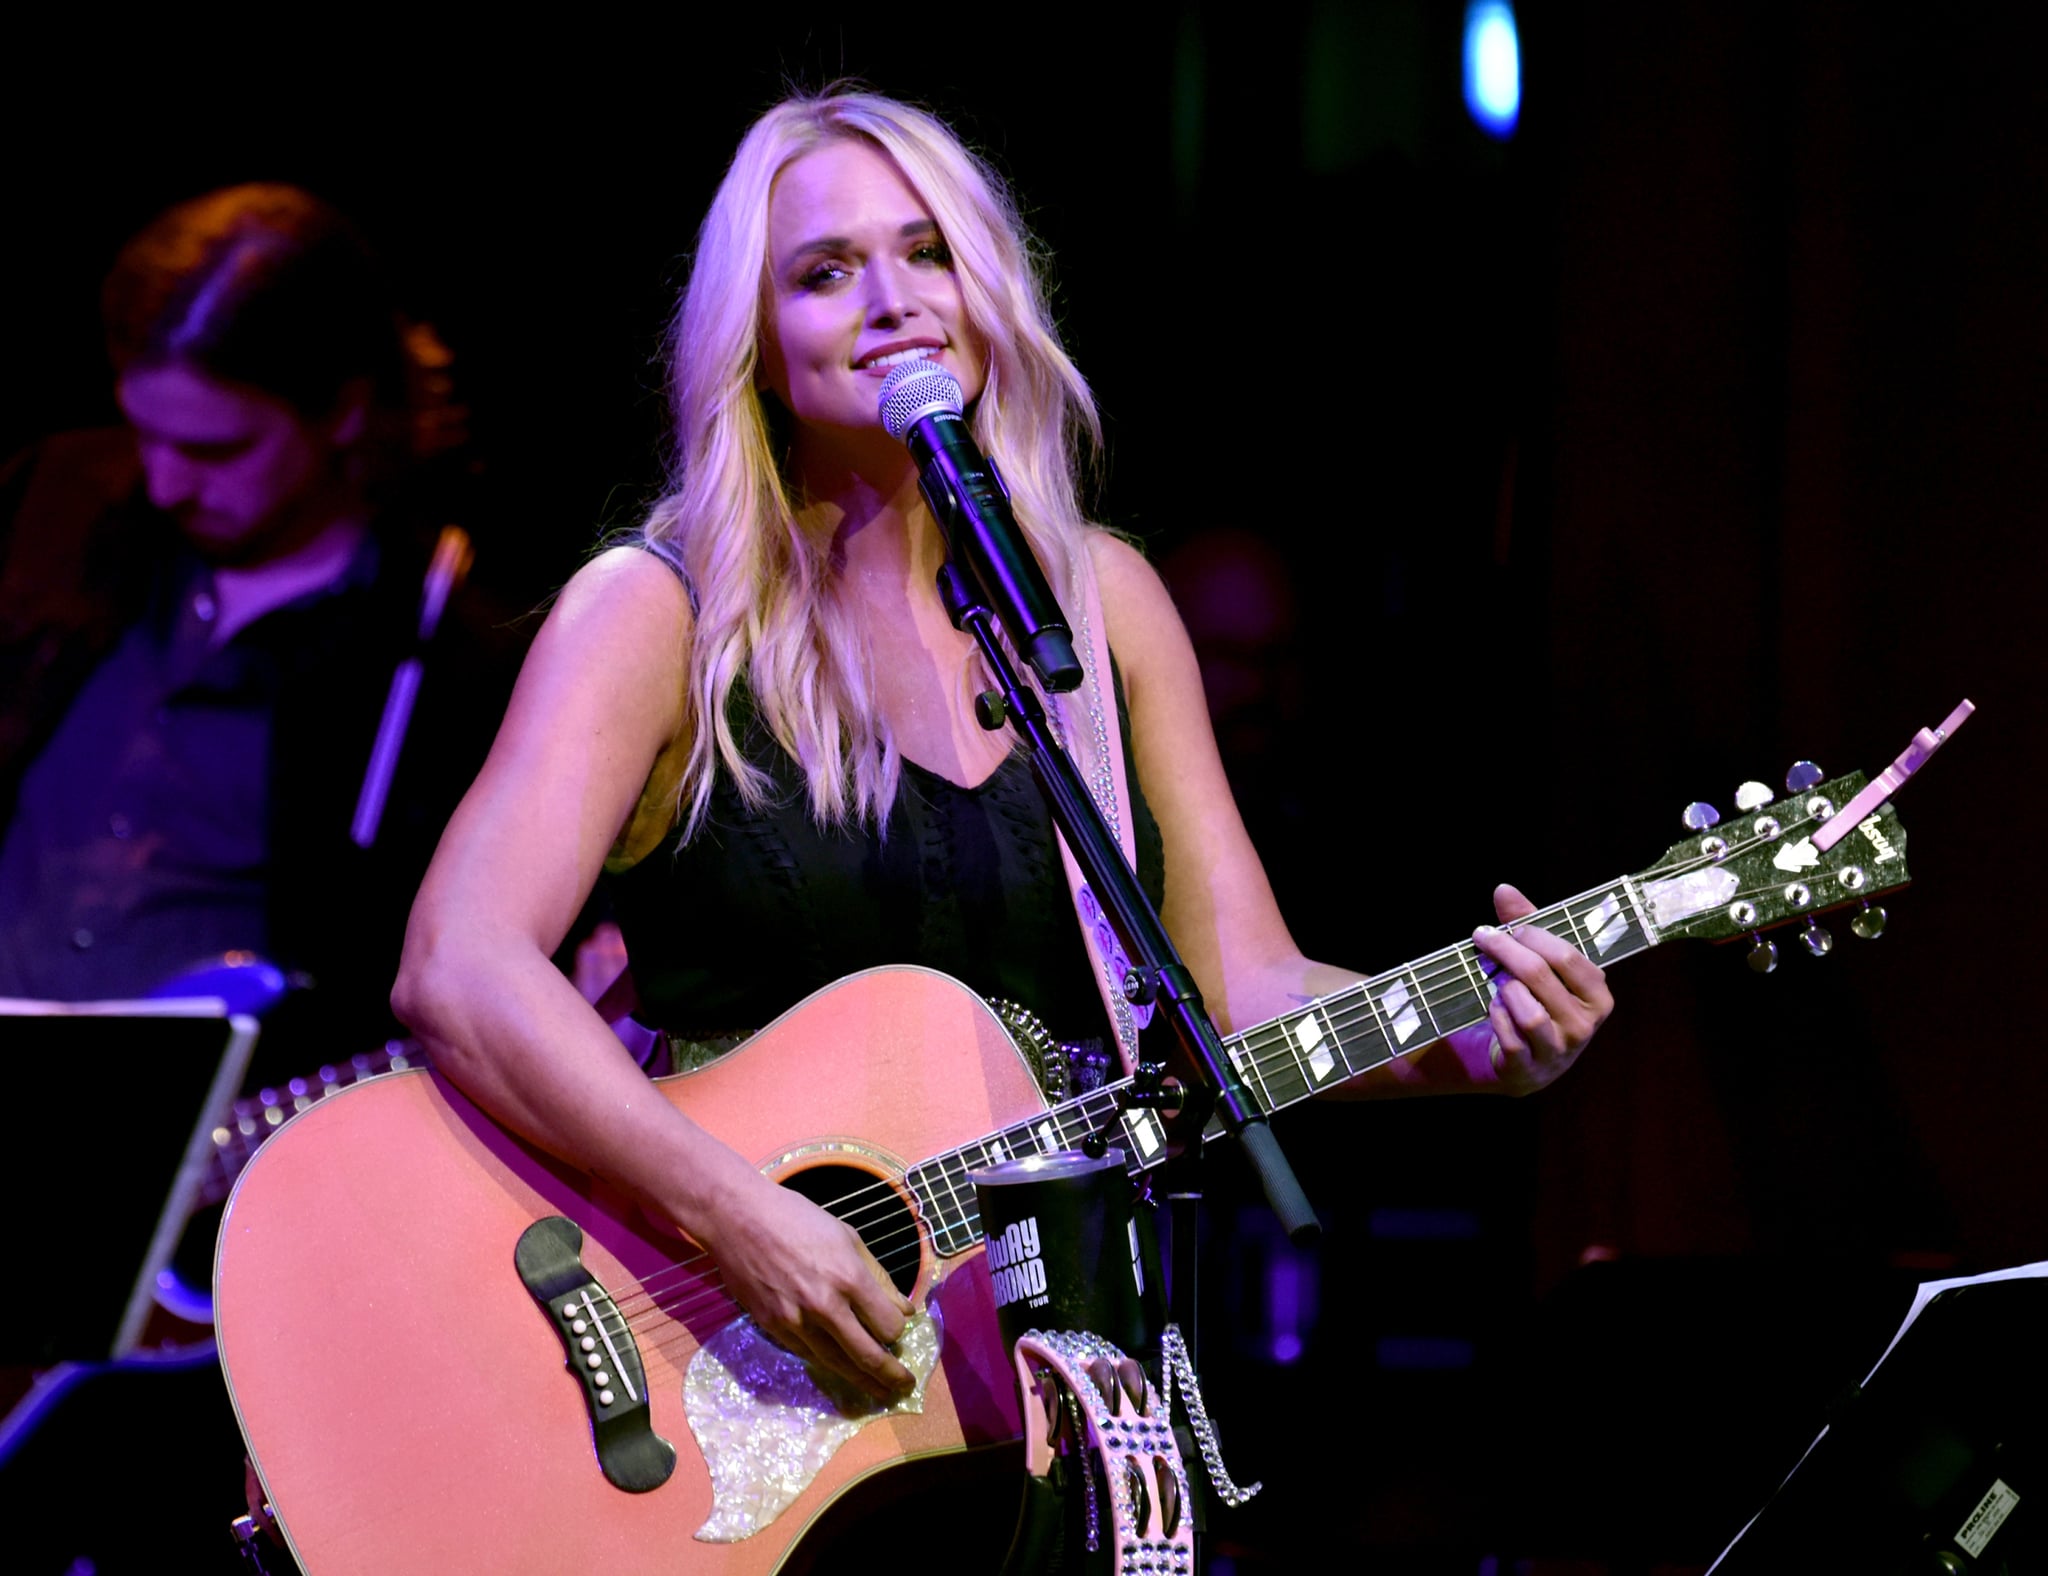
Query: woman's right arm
{"type": "Point", "coordinates": [597, 706]}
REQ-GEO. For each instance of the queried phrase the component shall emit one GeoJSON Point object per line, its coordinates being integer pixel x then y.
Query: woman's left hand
{"type": "Point", "coordinates": [1550, 1001]}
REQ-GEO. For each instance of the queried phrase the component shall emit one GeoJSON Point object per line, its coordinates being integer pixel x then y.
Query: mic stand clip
{"type": "Point", "coordinates": [1150, 1088]}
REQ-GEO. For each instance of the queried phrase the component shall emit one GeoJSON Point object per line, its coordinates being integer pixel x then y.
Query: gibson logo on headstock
{"type": "Point", "coordinates": [1875, 833]}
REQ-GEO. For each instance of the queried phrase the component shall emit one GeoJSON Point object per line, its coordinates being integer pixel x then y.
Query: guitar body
{"type": "Point", "coordinates": [405, 1400]}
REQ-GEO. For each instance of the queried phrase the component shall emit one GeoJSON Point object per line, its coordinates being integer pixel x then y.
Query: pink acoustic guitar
{"type": "Point", "coordinates": [400, 1283]}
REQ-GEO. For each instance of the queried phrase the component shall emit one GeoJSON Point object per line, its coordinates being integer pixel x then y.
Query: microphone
{"type": "Point", "coordinates": [921, 406]}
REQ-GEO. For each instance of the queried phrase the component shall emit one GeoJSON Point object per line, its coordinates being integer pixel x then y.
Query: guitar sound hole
{"type": "Point", "coordinates": [873, 1208]}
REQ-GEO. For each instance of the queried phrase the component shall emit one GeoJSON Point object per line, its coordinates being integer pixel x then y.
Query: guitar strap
{"type": "Point", "coordinates": [1086, 722]}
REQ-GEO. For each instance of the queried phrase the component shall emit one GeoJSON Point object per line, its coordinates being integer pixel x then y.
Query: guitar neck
{"type": "Point", "coordinates": [1289, 1058]}
{"type": "Point", "coordinates": [1351, 1031]}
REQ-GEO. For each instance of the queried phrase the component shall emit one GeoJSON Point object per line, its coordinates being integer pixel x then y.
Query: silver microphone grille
{"type": "Point", "coordinates": [916, 389]}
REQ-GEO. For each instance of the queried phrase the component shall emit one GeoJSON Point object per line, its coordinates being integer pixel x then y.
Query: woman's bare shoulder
{"type": "Point", "coordinates": [1136, 604]}
{"type": "Point", "coordinates": [619, 633]}
{"type": "Point", "coordinates": [602, 687]}
{"type": "Point", "coordinates": [623, 582]}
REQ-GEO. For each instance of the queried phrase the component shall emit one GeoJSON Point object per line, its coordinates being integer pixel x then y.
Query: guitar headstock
{"type": "Point", "coordinates": [1762, 870]}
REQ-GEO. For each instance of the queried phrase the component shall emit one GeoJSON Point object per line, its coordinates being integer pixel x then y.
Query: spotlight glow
{"type": "Point", "coordinates": [1493, 66]}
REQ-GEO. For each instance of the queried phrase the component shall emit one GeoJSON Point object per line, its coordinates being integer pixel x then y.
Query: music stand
{"type": "Point", "coordinates": [115, 1103]}
{"type": "Point", "coordinates": [1939, 1461]}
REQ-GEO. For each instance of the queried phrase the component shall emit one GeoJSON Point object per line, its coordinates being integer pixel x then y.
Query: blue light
{"type": "Point", "coordinates": [1493, 66]}
{"type": "Point", "coordinates": [1284, 1308]}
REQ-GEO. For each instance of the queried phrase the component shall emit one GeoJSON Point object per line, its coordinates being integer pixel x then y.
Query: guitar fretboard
{"type": "Point", "coordinates": [1289, 1058]}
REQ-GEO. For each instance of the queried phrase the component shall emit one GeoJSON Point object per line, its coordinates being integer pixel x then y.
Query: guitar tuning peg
{"type": "Point", "coordinates": [1868, 924]}
{"type": "Point", "coordinates": [1763, 955]}
{"type": "Point", "coordinates": [1752, 796]}
{"type": "Point", "coordinates": [1802, 776]}
{"type": "Point", "coordinates": [1818, 941]}
{"type": "Point", "coordinates": [1698, 816]}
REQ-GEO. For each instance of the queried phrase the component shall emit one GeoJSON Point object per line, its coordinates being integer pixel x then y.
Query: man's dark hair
{"type": "Point", "coordinates": [264, 285]}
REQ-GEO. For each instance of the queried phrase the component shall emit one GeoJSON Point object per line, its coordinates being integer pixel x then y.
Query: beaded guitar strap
{"type": "Point", "coordinates": [1086, 723]}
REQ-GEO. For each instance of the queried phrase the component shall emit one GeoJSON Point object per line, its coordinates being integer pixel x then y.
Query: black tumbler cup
{"type": "Point", "coordinates": [1066, 1250]}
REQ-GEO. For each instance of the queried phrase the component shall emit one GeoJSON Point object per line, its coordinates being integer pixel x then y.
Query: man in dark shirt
{"type": "Point", "coordinates": [247, 680]}
{"type": "Point", "coordinates": [244, 679]}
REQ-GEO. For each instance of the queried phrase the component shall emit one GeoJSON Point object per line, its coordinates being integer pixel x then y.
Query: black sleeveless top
{"type": "Point", "coordinates": [759, 909]}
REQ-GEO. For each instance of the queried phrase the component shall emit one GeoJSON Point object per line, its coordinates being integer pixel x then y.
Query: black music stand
{"type": "Point", "coordinates": [114, 1103]}
{"type": "Point", "coordinates": [111, 1108]}
{"type": "Point", "coordinates": [1938, 1463]}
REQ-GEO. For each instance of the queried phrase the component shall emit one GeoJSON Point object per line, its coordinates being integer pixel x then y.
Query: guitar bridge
{"type": "Point", "coordinates": [602, 1354]}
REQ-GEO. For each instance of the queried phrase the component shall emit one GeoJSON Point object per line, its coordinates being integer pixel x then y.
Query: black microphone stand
{"type": "Point", "coordinates": [1219, 1105]}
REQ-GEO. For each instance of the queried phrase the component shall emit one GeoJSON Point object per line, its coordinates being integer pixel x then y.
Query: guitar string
{"type": "Point", "coordinates": [1344, 1008]}
{"type": "Point", "coordinates": [890, 1251]}
{"type": "Point", "coordinates": [903, 1247]}
{"type": "Point", "coordinates": [885, 1194]}
{"type": "Point", "coordinates": [858, 1207]}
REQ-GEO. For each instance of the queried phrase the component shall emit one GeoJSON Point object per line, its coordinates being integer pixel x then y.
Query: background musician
{"type": "Point", "coordinates": [204, 775]}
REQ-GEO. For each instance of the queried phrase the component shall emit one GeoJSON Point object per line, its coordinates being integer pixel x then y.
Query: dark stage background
{"type": "Point", "coordinates": [1556, 483]}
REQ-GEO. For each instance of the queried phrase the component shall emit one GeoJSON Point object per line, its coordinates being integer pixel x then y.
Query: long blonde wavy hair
{"type": "Point", "coordinates": [768, 613]}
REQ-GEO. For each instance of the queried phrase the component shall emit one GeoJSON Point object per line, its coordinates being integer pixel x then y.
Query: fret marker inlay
{"type": "Point", "coordinates": [1400, 1016]}
{"type": "Point", "coordinates": [1048, 1135]}
{"type": "Point", "coordinates": [1606, 924]}
{"type": "Point", "coordinates": [1308, 1034]}
{"type": "Point", "coordinates": [1145, 1131]}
